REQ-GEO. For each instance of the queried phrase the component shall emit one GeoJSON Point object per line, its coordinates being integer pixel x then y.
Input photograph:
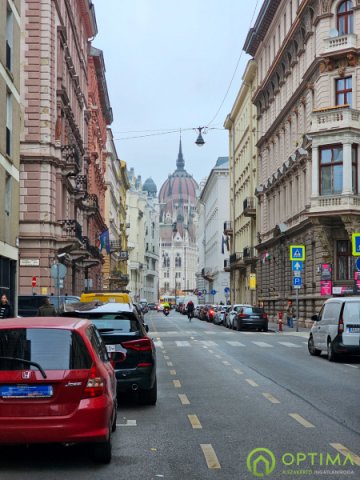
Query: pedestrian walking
{"type": "Point", "coordinates": [46, 309]}
{"type": "Point", "coordinates": [290, 313]}
{"type": "Point", "coordinates": [5, 307]}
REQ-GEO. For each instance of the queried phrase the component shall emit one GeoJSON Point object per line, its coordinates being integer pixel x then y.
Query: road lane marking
{"type": "Point", "coordinates": [262, 344]}
{"type": "Point", "coordinates": [349, 365]}
{"type": "Point", "coordinates": [225, 362]}
{"type": "Point", "coordinates": [184, 343]}
{"type": "Point", "coordinates": [208, 343]}
{"type": "Point", "coordinates": [211, 351]}
{"type": "Point", "coordinates": [169, 364]}
{"type": "Point", "coordinates": [289, 344]}
{"type": "Point", "coordinates": [218, 356]}
{"type": "Point", "coordinates": [129, 423]}
{"type": "Point", "coordinates": [166, 357]}
{"type": "Point", "coordinates": [210, 333]}
{"type": "Point", "coordinates": [238, 371]}
{"type": "Point", "coordinates": [172, 372]}
{"type": "Point", "coordinates": [195, 422]}
{"type": "Point", "coordinates": [184, 399]}
{"type": "Point", "coordinates": [301, 420]}
{"type": "Point", "coordinates": [345, 451]}
{"type": "Point", "coordinates": [251, 382]}
{"type": "Point", "coordinates": [234, 343]}
{"type": "Point", "coordinates": [177, 383]}
{"type": "Point", "coordinates": [210, 456]}
{"type": "Point", "coordinates": [271, 399]}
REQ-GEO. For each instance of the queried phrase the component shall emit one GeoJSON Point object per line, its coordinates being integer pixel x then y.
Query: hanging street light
{"type": "Point", "coordinates": [200, 141]}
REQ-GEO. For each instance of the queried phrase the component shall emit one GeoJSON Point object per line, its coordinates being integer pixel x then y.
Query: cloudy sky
{"type": "Point", "coordinates": [169, 64]}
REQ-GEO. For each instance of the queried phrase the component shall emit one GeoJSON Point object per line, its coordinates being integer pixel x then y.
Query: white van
{"type": "Point", "coordinates": [337, 328]}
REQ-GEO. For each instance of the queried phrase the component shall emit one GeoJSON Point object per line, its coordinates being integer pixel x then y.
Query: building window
{"type": "Point", "coordinates": [344, 91]}
{"type": "Point", "coordinates": [9, 38]}
{"type": "Point", "coordinates": [331, 169]}
{"type": "Point", "coordinates": [344, 260]}
{"type": "Point", "coordinates": [8, 123]}
{"type": "Point", "coordinates": [345, 22]}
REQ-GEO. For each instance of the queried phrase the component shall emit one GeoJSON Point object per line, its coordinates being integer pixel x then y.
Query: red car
{"type": "Point", "coordinates": [57, 384]}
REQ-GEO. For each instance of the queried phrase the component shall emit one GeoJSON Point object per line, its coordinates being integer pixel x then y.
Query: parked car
{"type": "Point", "coordinates": [234, 310]}
{"type": "Point", "coordinates": [221, 314]}
{"type": "Point", "coordinates": [28, 305]}
{"type": "Point", "coordinates": [57, 384]}
{"type": "Point", "coordinates": [131, 350]}
{"type": "Point", "coordinates": [251, 317]}
{"type": "Point", "coordinates": [337, 328]}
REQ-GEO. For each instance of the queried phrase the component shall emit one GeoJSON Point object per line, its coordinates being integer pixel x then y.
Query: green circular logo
{"type": "Point", "coordinates": [261, 462]}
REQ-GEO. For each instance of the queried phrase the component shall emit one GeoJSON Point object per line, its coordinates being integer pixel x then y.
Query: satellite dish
{"type": "Point", "coordinates": [333, 33]}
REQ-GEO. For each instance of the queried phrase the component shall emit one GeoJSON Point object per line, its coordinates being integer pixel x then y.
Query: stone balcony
{"type": "Point", "coordinates": [334, 118]}
{"type": "Point", "coordinates": [228, 228]}
{"type": "Point", "coordinates": [249, 207]}
{"type": "Point", "coordinates": [334, 204]}
{"type": "Point", "coordinates": [339, 44]}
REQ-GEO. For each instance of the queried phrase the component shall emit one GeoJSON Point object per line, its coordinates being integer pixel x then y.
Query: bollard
{"type": "Point", "coordinates": [280, 324]}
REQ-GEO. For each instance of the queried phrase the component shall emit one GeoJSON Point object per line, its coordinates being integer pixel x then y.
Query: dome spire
{"type": "Point", "coordinates": [180, 162]}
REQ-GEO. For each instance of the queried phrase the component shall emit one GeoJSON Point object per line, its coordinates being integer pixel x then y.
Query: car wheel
{"type": "Point", "coordinates": [149, 397]}
{"type": "Point", "coordinates": [331, 355]}
{"type": "Point", "coordinates": [311, 347]}
{"type": "Point", "coordinates": [265, 329]}
{"type": "Point", "coordinates": [101, 451]}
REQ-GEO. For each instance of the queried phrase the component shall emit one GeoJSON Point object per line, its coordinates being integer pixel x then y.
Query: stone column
{"type": "Point", "coordinates": [315, 172]}
{"type": "Point", "coordinates": [347, 169]}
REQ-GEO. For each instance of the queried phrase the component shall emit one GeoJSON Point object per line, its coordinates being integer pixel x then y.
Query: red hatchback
{"type": "Point", "coordinates": [57, 384]}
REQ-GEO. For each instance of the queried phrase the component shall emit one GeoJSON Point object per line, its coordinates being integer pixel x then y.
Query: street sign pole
{"type": "Point", "coordinates": [297, 309]}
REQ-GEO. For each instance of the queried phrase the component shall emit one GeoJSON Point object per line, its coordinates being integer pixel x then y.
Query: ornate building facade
{"type": "Point", "coordinates": [241, 227]}
{"type": "Point", "coordinates": [10, 126]}
{"type": "Point", "coordinates": [308, 112]}
{"type": "Point", "coordinates": [178, 231]}
{"type": "Point", "coordinates": [66, 111]}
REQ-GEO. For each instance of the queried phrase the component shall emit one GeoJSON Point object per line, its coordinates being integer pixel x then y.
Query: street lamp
{"type": "Point", "coordinates": [200, 141]}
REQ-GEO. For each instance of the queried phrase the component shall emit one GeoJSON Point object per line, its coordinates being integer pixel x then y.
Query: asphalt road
{"type": "Point", "coordinates": [222, 395]}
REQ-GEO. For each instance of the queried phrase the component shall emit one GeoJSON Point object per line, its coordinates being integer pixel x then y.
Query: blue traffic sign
{"type": "Point", "coordinates": [297, 265]}
{"type": "Point", "coordinates": [355, 240]}
{"type": "Point", "coordinates": [297, 252]}
{"type": "Point", "coordinates": [357, 263]}
{"type": "Point", "coordinates": [227, 290]}
{"type": "Point", "coordinates": [213, 292]}
{"type": "Point", "coordinates": [204, 292]}
{"type": "Point", "coordinates": [297, 282]}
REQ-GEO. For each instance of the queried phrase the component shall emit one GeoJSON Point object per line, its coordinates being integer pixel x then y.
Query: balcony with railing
{"type": "Point", "coordinates": [90, 203]}
{"type": "Point", "coordinates": [228, 228]}
{"type": "Point", "coordinates": [227, 265]}
{"type": "Point", "coordinates": [236, 260]}
{"type": "Point", "coordinates": [71, 158]}
{"type": "Point", "coordinates": [249, 254]}
{"type": "Point", "coordinates": [335, 118]}
{"type": "Point", "coordinates": [339, 43]}
{"type": "Point", "coordinates": [249, 206]}
{"type": "Point", "coordinates": [71, 229]}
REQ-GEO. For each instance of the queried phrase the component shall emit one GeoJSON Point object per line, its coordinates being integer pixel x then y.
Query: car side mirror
{"type": "Point", "coordinates": [146, 327]}
{"type": "Point", "coordinates": [315, 318]}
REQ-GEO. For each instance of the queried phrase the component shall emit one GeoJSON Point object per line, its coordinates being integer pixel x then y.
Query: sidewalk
{"type": "Point", "coordinates": [285, 329]}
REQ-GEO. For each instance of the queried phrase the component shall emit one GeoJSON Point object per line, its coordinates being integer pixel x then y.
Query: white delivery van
{"type": "Point", "coordinates": [337, 328]}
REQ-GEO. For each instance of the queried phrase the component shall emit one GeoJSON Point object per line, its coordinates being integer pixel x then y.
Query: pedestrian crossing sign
{"type": "Point", "coordinates": [355, 238]}
{"type": "Point", "coordinates": [297, 252]}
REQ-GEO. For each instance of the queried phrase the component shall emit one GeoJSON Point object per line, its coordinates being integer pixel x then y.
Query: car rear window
{"type": "Point", "coordinates": [351, 313]}
{"type": "Point", "coordinates": [53, 349]}
{"type": "Point", "coordinates": [252, 310]}
{"type": "Point", "coordinates": [120, 321]}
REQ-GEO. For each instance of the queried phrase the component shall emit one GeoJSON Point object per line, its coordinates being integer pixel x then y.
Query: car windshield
{"type": "Point", "coordinates": [53, 349]}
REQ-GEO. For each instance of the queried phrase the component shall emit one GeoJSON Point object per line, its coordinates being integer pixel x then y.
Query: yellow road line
{"type": "Point", "coordinates": [177, 383]}
{"type": "Point", "coordinates": [172, 372]}
{"type": "Point", "coordinates": [238, 371]}
{"type": "Point", "coordinates": [184, 399]}
{"type": "Point", "coordinates": [346, 452]}
{"type": "Point", "coordinates": [301, 420]}
{"type": "Point", "coordinates": [210, 456]}
{"type": "Point", "coordinates": [251, 382]}
{"type": "Point", "coordinates": [169, 364]}
{"type": "Point", "coordinates": [195, 422]}
{"type": "Point", "coordinates": [271, 399]}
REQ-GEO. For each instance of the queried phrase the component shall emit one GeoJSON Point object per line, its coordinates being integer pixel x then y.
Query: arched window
{"type": "Point", "coordinates": [345, 19]}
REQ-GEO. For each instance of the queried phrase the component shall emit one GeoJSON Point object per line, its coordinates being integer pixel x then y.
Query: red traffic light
{"type": "Point", "coordinates": [33, 282]}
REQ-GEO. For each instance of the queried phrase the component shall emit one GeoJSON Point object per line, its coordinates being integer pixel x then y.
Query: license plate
{"type": "Point", "coordinates": [110, 348]}
{"type": "Point", "coordinates": [26, 391]}
{"type": "Point", "coordinates": [354, 330]}
{"type": "Point", "coordinates": [254, 316]}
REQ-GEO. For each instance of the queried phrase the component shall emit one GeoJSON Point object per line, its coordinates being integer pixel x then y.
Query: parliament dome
{"type": "Point", "coordinates": [150, 187]}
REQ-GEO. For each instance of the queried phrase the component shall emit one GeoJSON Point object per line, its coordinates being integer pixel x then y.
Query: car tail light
{"type": "Point", "coordinates": [242, 315]}
{"type": "Point", "coordinates": [341, 326]}
{"type": "Point", "coordinates": [145, 364]}
{"type": "Point", "coordinates": [264, 315]}
{"type": "Point", "coordinates": [95, 385]}
{"type": "Point", "coordinates": [141, 345]}
{"type": "Point", "coordinates": [211, 312]}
